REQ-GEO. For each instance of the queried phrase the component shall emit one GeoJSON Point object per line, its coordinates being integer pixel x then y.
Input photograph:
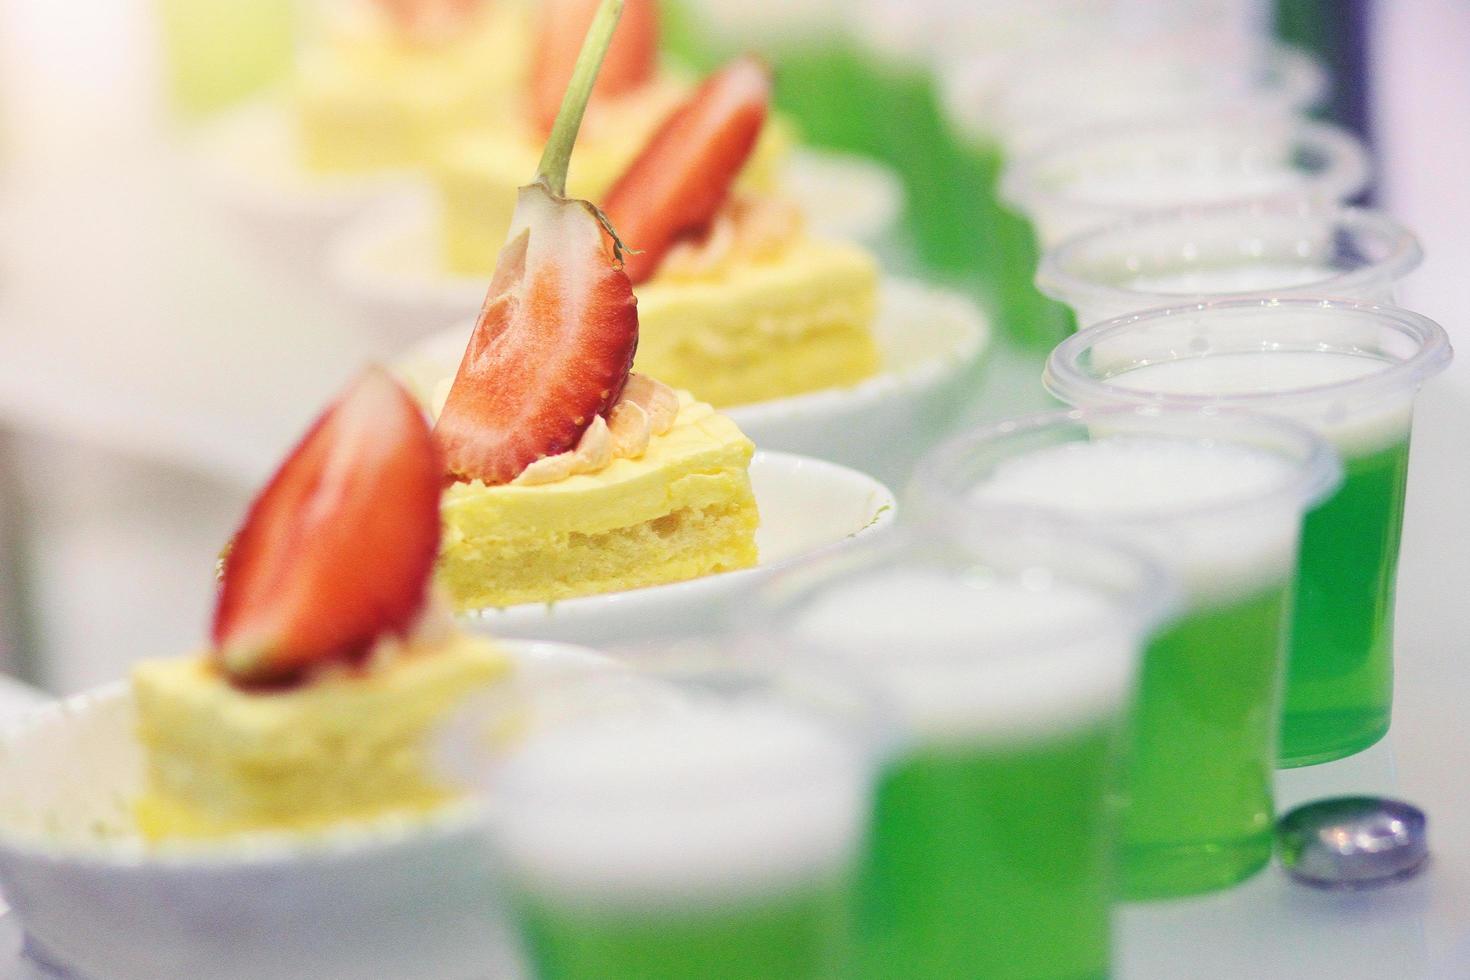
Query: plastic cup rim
{"type": "Point", "coordinates": [1071, 385]}
{"type": "Point", "coordinates": [1405, 254]}
{"type": "Point", "coordinates": [1346, 176]}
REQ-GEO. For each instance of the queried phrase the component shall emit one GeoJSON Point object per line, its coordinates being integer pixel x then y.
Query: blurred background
{"type": "Point", "coordinates": [160, 350]}
{"type": "Point", "coordinates": [164, 337]}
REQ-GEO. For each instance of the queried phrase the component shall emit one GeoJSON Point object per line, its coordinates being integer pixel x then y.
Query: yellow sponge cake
{"type": "Point", "coordinates": [763, 327]}
{"type": "Point", "coordinates": [350, 746]}
{"type": "Point", "coordinates": [682, 509]}
{"type": "Point", "coordinates": [736, 302]}
{"type": "Point", "coordinates": [329, 666]}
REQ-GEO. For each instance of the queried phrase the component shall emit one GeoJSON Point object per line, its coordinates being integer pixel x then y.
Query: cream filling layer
{"type": "Point", "coordinates": [646, 408]}
{"type": "Point", "coordinates": [749, 228]}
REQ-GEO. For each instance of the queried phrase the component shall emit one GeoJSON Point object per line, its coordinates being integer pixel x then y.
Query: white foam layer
{"type": "Point", "coordinates": [987, 658]}
{"type": "Point", "coordinates": [678, 805]}
{"type": "Point", "coordinates": [1354, 427]}
{"type": "Point", "coordinates": [1244, 277]}
{"type": "Point", "coordinates": [1188, 502]}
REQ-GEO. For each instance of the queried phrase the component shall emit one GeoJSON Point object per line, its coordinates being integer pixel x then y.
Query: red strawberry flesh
{"type": "Point", "coordinates": [338, 549]}
{"type": "Point", "coordinates": [677, 185]}
{"type": "Point", "coordinates": [551, 350]}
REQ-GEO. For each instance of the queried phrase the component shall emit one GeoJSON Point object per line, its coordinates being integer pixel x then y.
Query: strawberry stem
{"type": "Point", "coordinates": [557, 156]}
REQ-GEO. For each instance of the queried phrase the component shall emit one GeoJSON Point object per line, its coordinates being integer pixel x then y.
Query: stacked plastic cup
{"type": "Point", "coordinates": [1218, 499]}
{"type": "Point", "coordinates": [1066, 79]}
{"type": "Point", "coordinates": [1090, 179]}
{"type": "Point", "coordinates": [1348, 370]}
{"type": "Point", "coordinates": [1197, 254]}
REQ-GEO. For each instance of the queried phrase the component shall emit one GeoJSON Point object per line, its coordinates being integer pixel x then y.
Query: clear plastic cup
{"type": "Point", "coordinates": [1156, 76]}
{"type": "Point", "coordinates": [1197, 254]}
{"type": "Point", "coordinates": [1218, 499]}
{"type": "Point", "coordinates": [1010, 662]}
{"type": "Point", "coordinates": [999, 107]}
{"type": "Point", "coordinates": [692, 815]}
{"type": "Point", "coordinates": [1092, 178]}
{"type": "Point", "coordinates": [1348, 370]}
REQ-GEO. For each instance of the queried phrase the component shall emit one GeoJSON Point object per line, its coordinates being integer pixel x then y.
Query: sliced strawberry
{"type": "Point", "coordinates": [680, 180]}
{"type": "Point", "coordinates": [552, 347]}
{"type": "Point", "coordinates": [555, 339]}
{"type": "Point", "coordinates": [630, 62]}
{"type": "Point", "coordinates": [337, 550]}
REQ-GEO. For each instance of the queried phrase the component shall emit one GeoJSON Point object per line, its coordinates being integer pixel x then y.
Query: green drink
{"type": "Point", "coordinates": [915, 140]}
{"type": "Point", "coordinates": [823, 82]}
{"type": "Point", "coordinates": [676, 823]}
{"type": "Point", "coordinates": [1199, 815]}
{"type": "Point", "coordinates": [1219, 500]}
{"type": "Point", "coordinates": [1010, 897]}
{"type": "Point", "coordinates": [1010, 662]}
{"type": "Point", "coordinates": [995, 246]}
{"type": "Point", "coordinates": [828, 90]}
{"type": "Point", "coordinates": [793, 935]}
{"type": "Point", "coordinates": [1340, 693]}
{"type": "Point", "coordinates": [1350, 372]}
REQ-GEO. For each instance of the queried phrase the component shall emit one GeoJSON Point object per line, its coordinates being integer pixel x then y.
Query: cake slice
{"type": "Point", "coordinates": [764, 327]}
{"type": "Point", "coordinates": [736, 301]}
{"type": "Point", "coordinates": [329, 667]}
{"type": "Point", "coordinates": [223, 760]}
{"type": "Point", "coordinates": [572, 476]}
{"type": "Point", "coordinates": [384, 92]}
{"type": "Point", "coordinates": [681, 510]}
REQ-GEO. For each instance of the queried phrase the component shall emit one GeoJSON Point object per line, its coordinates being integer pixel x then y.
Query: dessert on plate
{"type": "Point", "coordinates": [570, 475]}
{"type": "Point", "coordinates": [736, 301]}
{"type": "Point", "coordinates": [478, 170]}
{"type": "Point", "coordinates": [329, 663]}
{"type": "Point", "coordinates": [386, 83]}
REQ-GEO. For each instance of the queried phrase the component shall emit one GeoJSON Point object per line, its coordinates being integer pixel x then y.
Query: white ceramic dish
{"type": "Point", "coordinates": [248, 160]}
{"type": "Point", "coordinates": [386, 264]}
{"type": "Point", "coordinates": [807, 506]}
{"type": "Point", "coordinates": [406, 899]}
{"type": "Point", "coordinates": [931, 340]}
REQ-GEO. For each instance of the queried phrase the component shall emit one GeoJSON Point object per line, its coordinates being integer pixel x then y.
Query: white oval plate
{"type": "Point", "coordinates": [414, 898]}
{"type": "Point", "coordinates": [807, 507]}
{"type": "Point", "coordinates": [930, 340]}
{"type": "Point", "coordinates": [248, 160]}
